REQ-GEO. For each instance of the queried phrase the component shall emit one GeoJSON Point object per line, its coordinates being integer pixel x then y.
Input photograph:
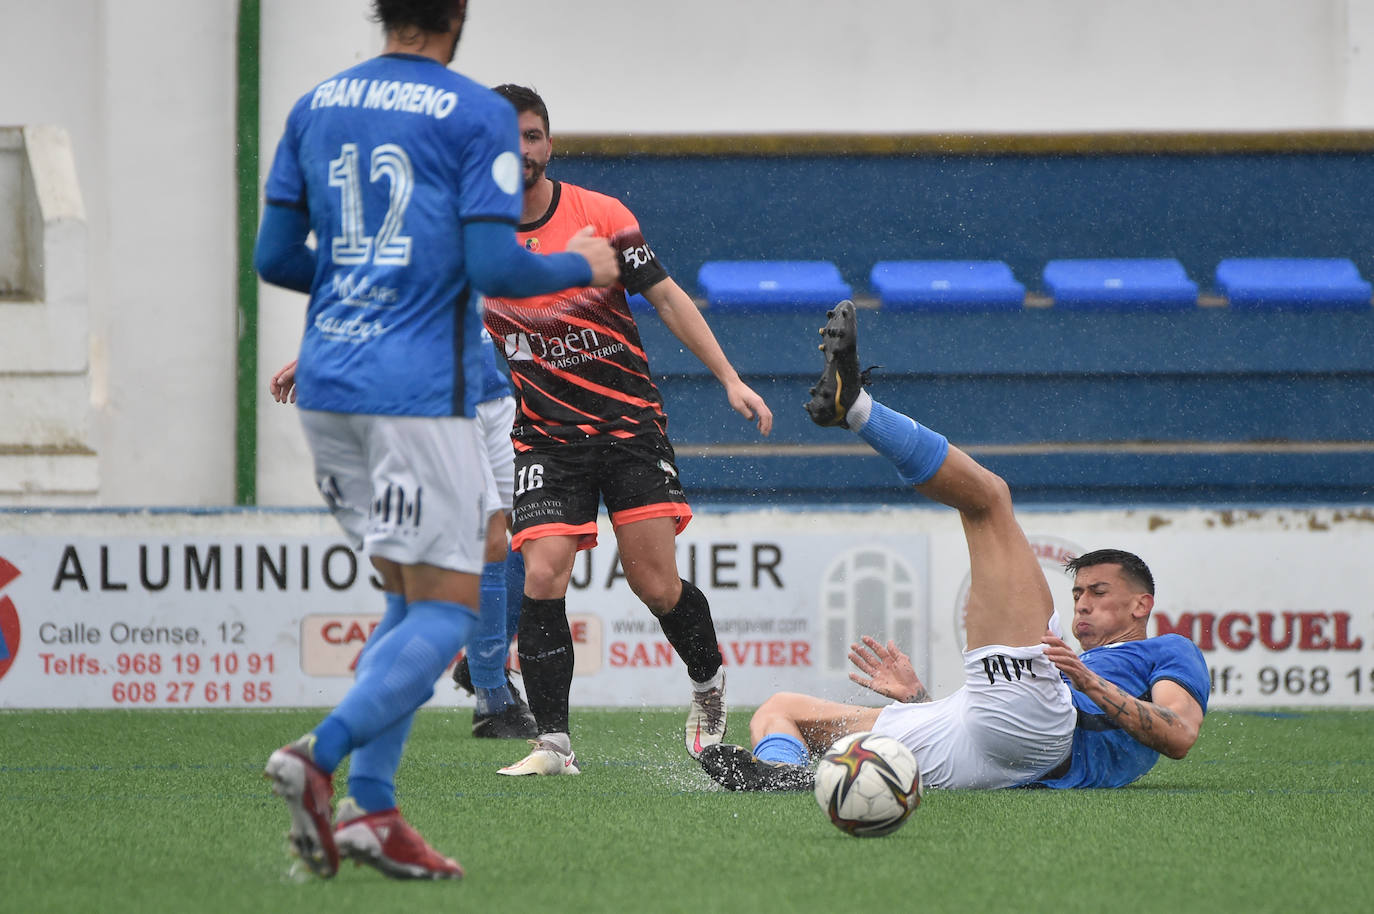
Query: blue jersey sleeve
{"type": "Point", "coordinates": [490, 169]}
{"type": "Point", "coordinates": [1184, 664]}
{"type": "Point", "coordinates": [281, 256]}
{"type": "Point", "coordinates": [500, 266]}
{"type": "Point", "coordinates": [495, 384]}
{"type": "Point", "coordinates": [285, 184]}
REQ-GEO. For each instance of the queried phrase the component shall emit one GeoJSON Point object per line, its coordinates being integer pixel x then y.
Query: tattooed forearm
{"type": "Point", "coordinates": [918, 696]}
{"type": "Point", "coordinates": [1115, 702]}
{"type": "Point", "coordinates": [1137, 717]}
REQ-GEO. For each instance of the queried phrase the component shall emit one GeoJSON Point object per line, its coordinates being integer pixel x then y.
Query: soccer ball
{"type": "Point", "coordinates": [868, 784]}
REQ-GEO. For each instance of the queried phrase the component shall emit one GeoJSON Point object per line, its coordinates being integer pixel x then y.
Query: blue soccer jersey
{"type": "Point", "coordinates": [1103, 754]}
{"type": "Point", "coordinates": [495, 384]}
{"type": "Point", "coordinates": [390, 159]}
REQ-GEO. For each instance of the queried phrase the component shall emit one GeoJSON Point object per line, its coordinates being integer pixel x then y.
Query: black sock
{"type": "Point", "coordinates": [546, 661]}
{"type": "Point", "coordinates": [692, 634]}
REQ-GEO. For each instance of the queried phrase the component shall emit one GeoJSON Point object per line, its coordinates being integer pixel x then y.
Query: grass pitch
{"type": "Point", "coordinates": [151, 811]}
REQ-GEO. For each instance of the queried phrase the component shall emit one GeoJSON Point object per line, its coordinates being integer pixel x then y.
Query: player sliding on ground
{"type": "Point", "coordinates": [1015, 721]}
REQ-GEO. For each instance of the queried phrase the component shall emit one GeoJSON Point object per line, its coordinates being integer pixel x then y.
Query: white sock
{"type": "Point", "coordinates": [560, 740]}
{"type": "Point", "coordinates": [857, 416]}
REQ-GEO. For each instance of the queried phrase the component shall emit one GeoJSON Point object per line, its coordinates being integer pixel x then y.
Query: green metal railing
{"type": "Point", "coordinates": [246, 159]}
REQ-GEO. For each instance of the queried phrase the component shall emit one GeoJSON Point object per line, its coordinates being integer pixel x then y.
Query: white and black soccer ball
{"type": "Point", "coordinates": [868, 784]}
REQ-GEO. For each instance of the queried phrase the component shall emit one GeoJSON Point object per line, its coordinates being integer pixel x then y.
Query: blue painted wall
{"type": "Point", "coordinates": [1024, 209]}
{"type": "Point", "coordinates": [1201, 406]}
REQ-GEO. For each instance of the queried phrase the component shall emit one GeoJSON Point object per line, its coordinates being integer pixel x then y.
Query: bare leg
{"type": "Point", "coordinates": [548, 566]}
{"type": "Point", "coordinates": [429, 582]}
{"type": "Point", "coordinates": [784, 729]}
{"type": "Point", "coordinates": [390, 573]}
{"type": "Point", "coordinates": [495, 548]}
{"type": "Point", "coordinates": [650, 564]}
{"type": "Point", "coordinates": [1009, 600]}
{"type": "Point", "coordinates": [814, 721]}
{"type": "Point", "coordinates": [649, 561]}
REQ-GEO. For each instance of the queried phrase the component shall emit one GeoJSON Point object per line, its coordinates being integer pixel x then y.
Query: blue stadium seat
{"type": "Point", "coordinates": [1326, 283]}
{"type": "Point", "coordinates": [946, 285]}
{"type": "Point", "coordinates": [1132, 284]}
{"type": "Point", "coordinates": [773, 285]}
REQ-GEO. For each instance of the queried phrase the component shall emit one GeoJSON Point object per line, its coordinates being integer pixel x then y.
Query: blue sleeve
{"type": "Point", "coordinates": [489, 163]}
{"type": "Point", "coordinates": [1183, 663]}
{"type": "Point", "coordinates": [499, 266]}
{"type": "Point", "coordinates": [282, 257]}
{"type": "Point", "coordinates": [285, 183]}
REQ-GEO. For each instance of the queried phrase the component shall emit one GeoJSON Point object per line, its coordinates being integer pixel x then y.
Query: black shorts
{"type": "Point", "coordinates": [558, 488]}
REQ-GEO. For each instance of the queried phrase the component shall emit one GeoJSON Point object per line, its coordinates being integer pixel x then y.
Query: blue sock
{"type": "Point", "coordinates": [915, 450]}
{"type": "Point", "coordinates": [372, 768]}
{"type": "Point", "coordinates": [493, 701]}
{"type": "Point", "coordinates": [333, 742]}
{"type": "Point", "coordinates": [332, 739]}
{"type": "Point", "coordinates": [395, 612]}
{"type": "Point", "coordinates": [515, 593]}
{"type": "Point", "coordinates": [782, 747]}
{"type": "Point", "coordinates": [396, 676]}
{"type": "Point", "coordinates": [488, 647]}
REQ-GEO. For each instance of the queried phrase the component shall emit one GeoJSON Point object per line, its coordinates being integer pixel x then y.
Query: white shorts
{"type": "Point", "coordinates": [494, 421]}
{"type": "Point", "coordinates": [1011, 722]}
{"type": "Point", "coordinates": [412, 489]}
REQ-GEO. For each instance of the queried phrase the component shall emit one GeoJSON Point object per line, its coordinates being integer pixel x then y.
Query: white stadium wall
{"type": "Point", "coordinates": [146, 89]}
{"type": "Point", "coordinates": [269, 609]}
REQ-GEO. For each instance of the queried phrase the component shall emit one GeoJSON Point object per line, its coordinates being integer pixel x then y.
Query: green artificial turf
{"type": "Point", "coordinates": [115, 811]}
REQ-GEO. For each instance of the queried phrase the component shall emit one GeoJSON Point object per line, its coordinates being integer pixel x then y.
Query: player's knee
{"type": "Point", "coordinates": [994, 494]}
{"type": "Point", "coordinates": [548, 567]}
{"type": "Point", "coordinates": [660, 593]}
{"type": "Point", "coordinates": [544, 581]}
{"type": "Point", "coordinates": [776, 709]}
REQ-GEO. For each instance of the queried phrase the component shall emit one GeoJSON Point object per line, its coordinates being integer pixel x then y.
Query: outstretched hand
{"type": "Point", "coordinates": [886, 670]}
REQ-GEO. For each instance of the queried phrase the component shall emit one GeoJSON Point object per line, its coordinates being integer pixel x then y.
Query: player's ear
{"type": "Point", "coordinates": [1145, 603]}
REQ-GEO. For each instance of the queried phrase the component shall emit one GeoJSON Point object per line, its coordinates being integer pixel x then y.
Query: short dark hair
{"type": "Point", "coordinates": [1132, 566]}
{"type": "Point", "coordinates": [426, 15]}
{"type": "Point", "coordinates": [524, 99]}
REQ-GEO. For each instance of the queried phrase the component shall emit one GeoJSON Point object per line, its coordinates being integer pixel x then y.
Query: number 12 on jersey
{"type": "Point", "coordinates": [353, 245]}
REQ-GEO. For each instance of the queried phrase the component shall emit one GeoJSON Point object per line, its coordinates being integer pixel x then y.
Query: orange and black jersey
{"type": "Point", "coordinates": [575, 356]}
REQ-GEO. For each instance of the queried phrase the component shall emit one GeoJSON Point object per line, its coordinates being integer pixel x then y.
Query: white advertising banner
{"type": "Point", "coordinates": [270, 608]}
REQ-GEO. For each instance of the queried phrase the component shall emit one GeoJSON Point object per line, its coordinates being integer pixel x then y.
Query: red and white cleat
{"type": "Point", "coordinates": [385, 840]}
{"type": "Point", "coordinates": [307, 790]}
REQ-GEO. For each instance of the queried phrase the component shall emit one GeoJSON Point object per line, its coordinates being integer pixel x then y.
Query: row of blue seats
{"type": "Point", "coordinates": [1089, 284]}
